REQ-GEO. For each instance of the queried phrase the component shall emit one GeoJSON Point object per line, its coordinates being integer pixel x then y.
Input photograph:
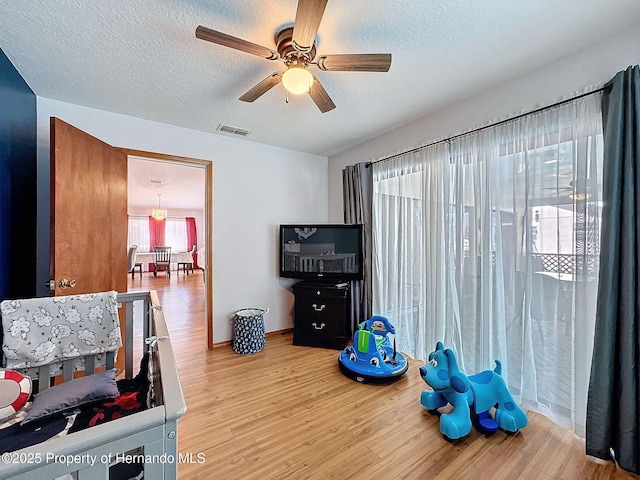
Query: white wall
{"type": "Point", "coordinates": [582, 71]}
{"type": "Point", "coordinates": [256, 187]}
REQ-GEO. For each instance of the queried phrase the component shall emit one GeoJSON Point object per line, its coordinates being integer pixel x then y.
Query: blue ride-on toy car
{"type": "Point", "coordinates": [372, 355]}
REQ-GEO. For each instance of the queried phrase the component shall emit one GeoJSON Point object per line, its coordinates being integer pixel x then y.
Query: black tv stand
{"type": "Point", "coordinates": [322, 313]}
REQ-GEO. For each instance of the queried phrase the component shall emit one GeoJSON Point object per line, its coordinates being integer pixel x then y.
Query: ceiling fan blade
{"type": "Point", "coordinates": [204, 33]}
{"type": "Point", "coordinates": [357, 62]}
{"type": "Point", "coordinates": [320, 97]}
{"type": "Point", "coordinates": [308, 17]}
{"type": "Point", "coordinates": [261, 88]}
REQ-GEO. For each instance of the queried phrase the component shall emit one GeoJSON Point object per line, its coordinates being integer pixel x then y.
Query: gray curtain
{"type": "Point", "coordinates": [357, 185]}
{"type": "Point", "coordinates": [613, 407]}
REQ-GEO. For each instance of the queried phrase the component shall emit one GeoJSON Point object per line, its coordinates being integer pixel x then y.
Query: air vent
{"type": "Point", "coordinates": [233, 130]}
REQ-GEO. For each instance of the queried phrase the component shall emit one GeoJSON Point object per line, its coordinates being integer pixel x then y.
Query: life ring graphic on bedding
{"type": "Point", "coordinates": [16, 389]}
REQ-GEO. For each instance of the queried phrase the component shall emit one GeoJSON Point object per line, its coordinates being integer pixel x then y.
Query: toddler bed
{"type": "Point", "coordinates": [129, 433]}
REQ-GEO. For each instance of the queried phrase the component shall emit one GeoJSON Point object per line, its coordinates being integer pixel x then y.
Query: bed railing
{"type": "Point", "coordinates": [127, 300]}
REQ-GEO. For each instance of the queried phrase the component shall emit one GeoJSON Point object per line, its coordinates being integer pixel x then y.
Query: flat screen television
{"type": "Point", "coordinates": [331, 252]}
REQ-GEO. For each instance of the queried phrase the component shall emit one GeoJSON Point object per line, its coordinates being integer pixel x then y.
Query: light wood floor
{"type": "Point", "coordinates": [288, 413]}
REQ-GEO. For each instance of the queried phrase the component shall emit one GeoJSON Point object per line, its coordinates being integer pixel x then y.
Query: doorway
{"type": "Point", "coordinates": [207, 224]}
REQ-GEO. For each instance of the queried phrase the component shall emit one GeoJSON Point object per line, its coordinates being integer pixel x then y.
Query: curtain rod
{"type": "Point", "coordinates": [485, 127]}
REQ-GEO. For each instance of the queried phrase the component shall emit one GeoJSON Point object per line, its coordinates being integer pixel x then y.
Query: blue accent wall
{"type": "Point", "coordinates": [18, 124]}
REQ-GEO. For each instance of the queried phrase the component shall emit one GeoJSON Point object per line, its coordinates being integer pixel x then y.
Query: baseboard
{"type": "Point", "coordinates": [227, 343]}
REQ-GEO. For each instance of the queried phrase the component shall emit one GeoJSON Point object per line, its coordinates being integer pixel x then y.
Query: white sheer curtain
{"type": "Point", "coordinates": [139, 232]}
{"type": "Point", "coordinates": [176, 234]}
{"type": "Point", "coordinates": [490, 243]}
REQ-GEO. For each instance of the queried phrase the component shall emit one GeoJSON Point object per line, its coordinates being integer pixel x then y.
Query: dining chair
{"type": "Point", "coordinates": [131, 259]}
{"type": "Point", "coordinates": [186, 266]}
{"type": "Point", "coordinates": [202, 261]}
{"type": "Point", "coordinates": [162, 259]}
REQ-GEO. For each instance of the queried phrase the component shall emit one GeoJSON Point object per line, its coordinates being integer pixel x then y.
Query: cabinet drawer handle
{"type": "Point", "coordinates": [318, 309]}
{"type": "Point", "coordinates": [315, 325]}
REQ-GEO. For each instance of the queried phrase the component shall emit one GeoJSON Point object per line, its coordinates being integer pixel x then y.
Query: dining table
{"type": "Point", "coordinates": [176, 257]}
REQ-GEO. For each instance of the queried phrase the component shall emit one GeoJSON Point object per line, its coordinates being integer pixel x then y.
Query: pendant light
{"type": "Point", "coordinates": [159, 213]}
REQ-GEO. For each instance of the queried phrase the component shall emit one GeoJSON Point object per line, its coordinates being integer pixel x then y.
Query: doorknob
{"type": "Point", "coordinates": [64, 283]}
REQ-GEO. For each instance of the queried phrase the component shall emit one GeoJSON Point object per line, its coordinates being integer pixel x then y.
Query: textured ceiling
{"type": "Point", "coordinates": [143, 59]}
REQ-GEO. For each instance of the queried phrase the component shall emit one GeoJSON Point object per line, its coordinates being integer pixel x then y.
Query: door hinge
{"type": "Point", "coordinates": [51, 284]}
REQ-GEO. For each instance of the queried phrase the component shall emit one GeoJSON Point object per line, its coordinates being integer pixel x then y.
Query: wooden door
{"type": "Point", "coordinates": [88, 213]}
{"type": "Point", "coordinates": [88, 198]}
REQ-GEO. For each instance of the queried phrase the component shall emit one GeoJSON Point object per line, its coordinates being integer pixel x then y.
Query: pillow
{"type": "Point", "coordinates": [74, 393]}
{"type": "Point", "coordinates": [15, 390]}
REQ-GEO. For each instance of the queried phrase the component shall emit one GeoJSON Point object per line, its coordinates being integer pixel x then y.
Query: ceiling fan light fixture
{"type": "Point", "coordinates": [297, 79]}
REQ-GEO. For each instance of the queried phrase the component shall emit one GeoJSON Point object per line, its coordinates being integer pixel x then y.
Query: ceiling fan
{"type": "Point", "coordinates": [295, 47]}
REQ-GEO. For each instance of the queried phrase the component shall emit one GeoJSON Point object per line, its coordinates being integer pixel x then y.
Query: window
{"type": "Point", "coordinates": [175, 233]}
{"type": "Point", "coordinates": [139, 233]}
{"type": "Point", "coordinates": [489, 243]}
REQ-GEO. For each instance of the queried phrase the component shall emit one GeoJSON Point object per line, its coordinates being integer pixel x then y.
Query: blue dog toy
{"type": "Point", "coordinates": [484, 391]}
{"type": "Point", "coordinates": [372, 357]}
